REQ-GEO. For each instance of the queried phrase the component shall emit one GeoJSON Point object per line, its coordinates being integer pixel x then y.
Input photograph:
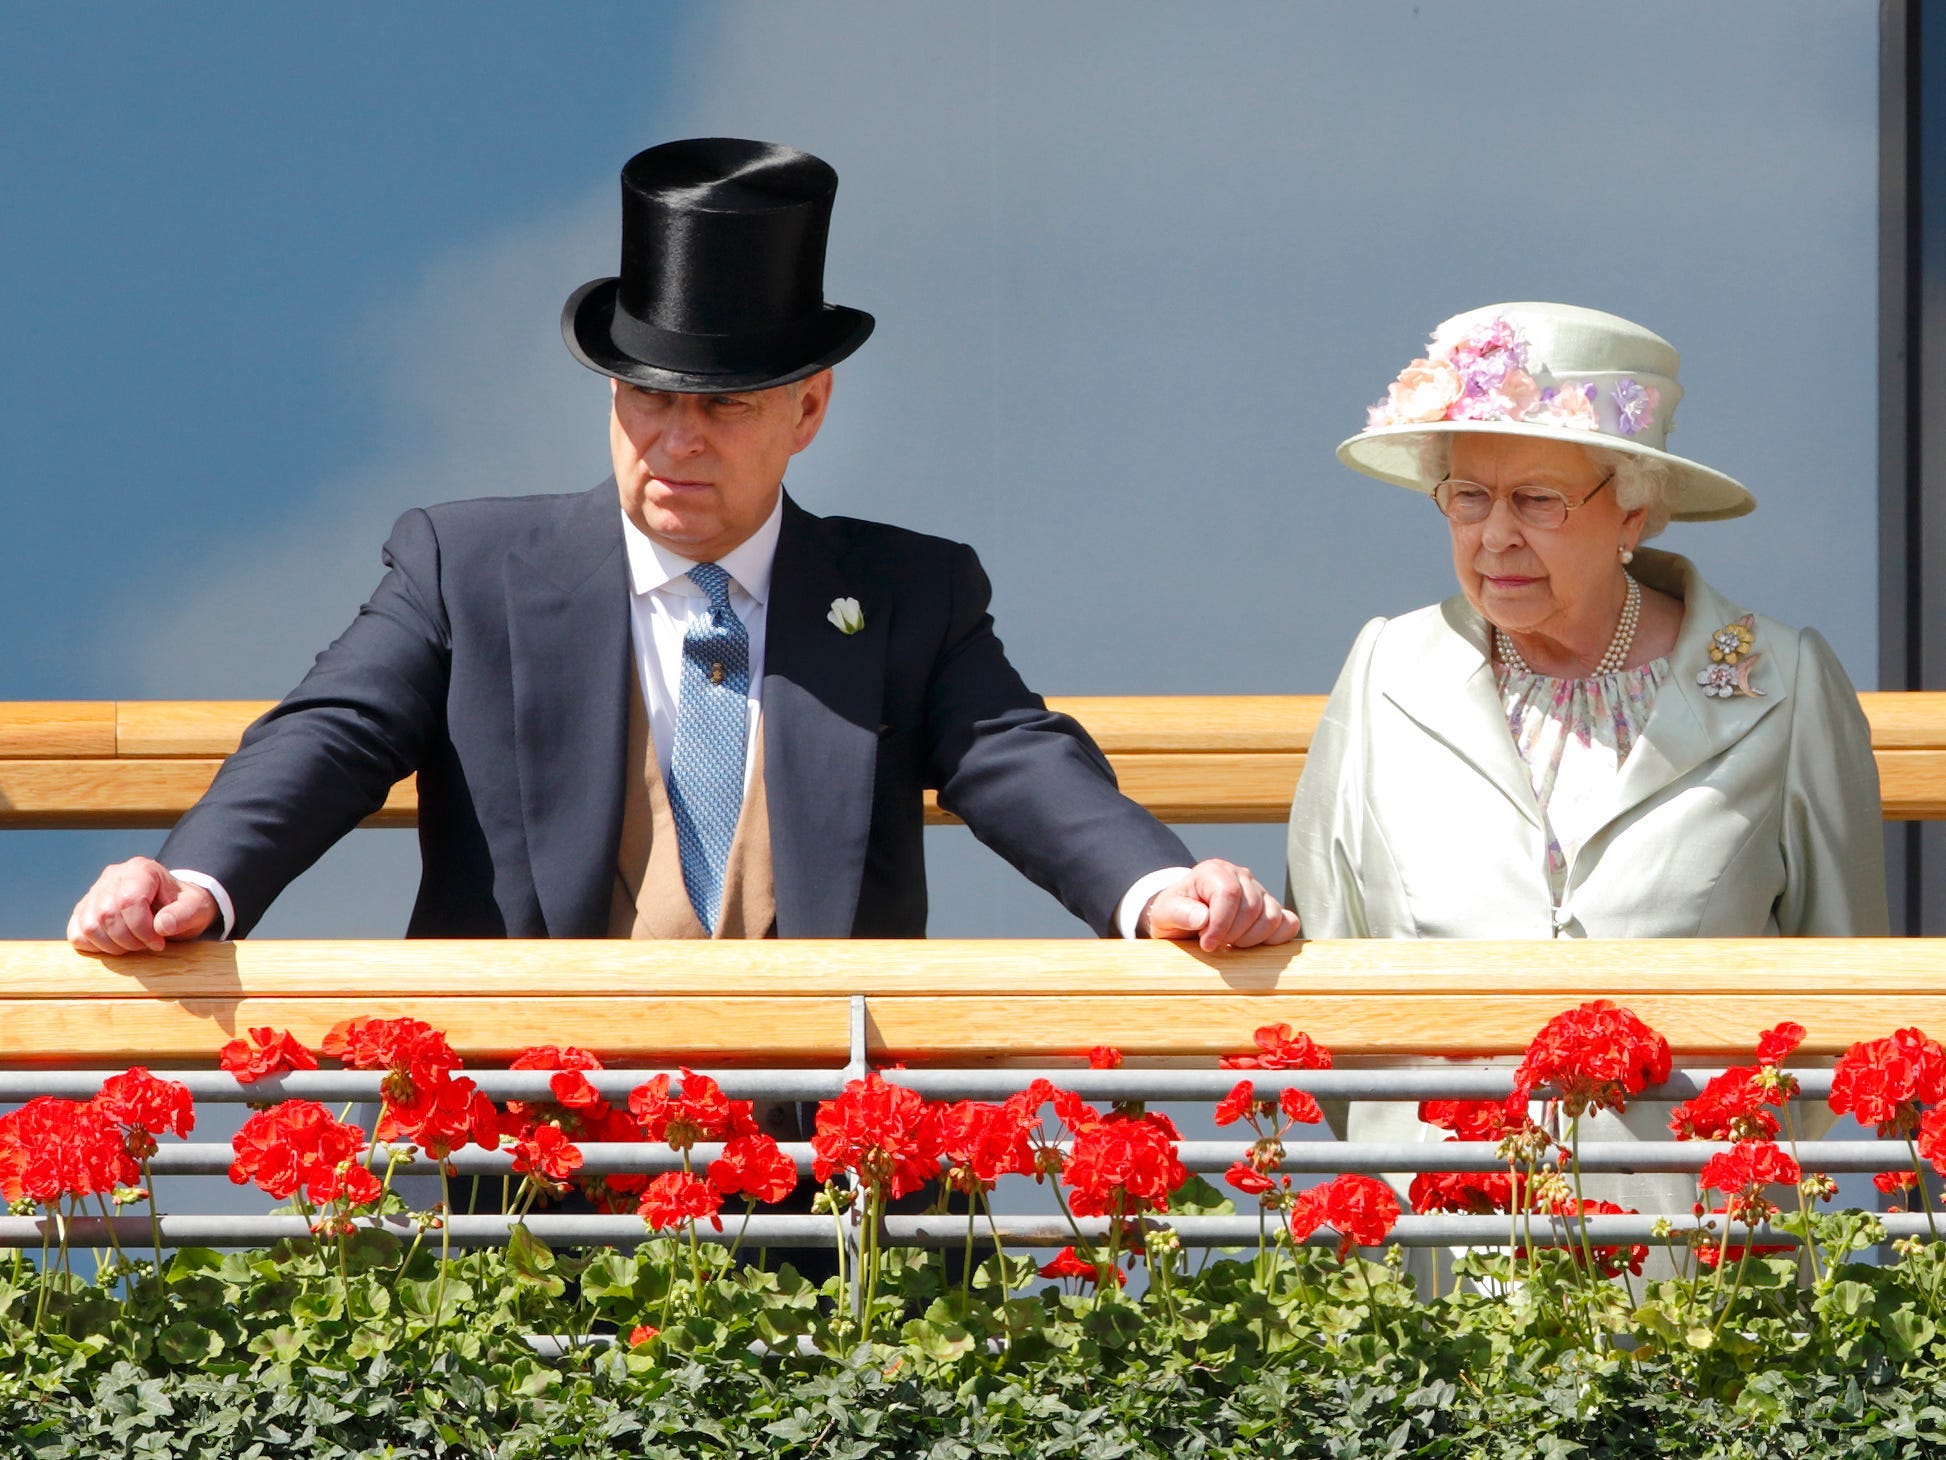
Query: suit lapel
{"type": "Point", "coordinates": [569, 642]}
{"type": "Point", "coordinates": [822, 695]}
{"type": "Point", "coordinates": [1442, 680]}
{"type": "Point", "coordinates": [1687, 727]}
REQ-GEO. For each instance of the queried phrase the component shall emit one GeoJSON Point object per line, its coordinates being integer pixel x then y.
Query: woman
{"type": "Point", "coordinates": [1587, 741]}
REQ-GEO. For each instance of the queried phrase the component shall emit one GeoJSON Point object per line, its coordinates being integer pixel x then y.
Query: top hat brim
{"type": "Point", "coordinates": [699, 364]}
{"type": "Point", "coordinates": [1695, 493]}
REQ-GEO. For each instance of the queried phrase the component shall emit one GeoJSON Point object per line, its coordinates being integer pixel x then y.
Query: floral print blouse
{"type": "Point", "coordinates": [1575, 735]}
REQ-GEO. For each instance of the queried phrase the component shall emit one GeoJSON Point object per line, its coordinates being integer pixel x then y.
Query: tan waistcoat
{"type": "Point", "coordinates": [650, 898]}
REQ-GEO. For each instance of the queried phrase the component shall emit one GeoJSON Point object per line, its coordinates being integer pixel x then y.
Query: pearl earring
{"type": "Point", "coordinates": [1626, 554]}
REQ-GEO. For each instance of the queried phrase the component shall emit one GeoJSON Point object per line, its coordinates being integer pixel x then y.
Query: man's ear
{"type": "Point", "coordinates": [813, 397]}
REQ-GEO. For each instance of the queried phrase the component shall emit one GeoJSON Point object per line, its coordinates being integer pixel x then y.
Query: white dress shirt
{"type": "Point", "coordinates": [663, 603]}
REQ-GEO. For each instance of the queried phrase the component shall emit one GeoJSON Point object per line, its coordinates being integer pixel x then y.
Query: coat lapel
{"type": "Point", "coordinates": [1687, 727]}
{"type": "Point", "coordinates": [1442, 680]}
{"type": "Point", "coordinates": [823, 691]}
{"type": "Point", "coordinates": [569, 642]}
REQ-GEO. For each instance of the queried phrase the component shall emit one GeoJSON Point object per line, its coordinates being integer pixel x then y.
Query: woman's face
{"type": "Point", "coordinates": [1559, 582]}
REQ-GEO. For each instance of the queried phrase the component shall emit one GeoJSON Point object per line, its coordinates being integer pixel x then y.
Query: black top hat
{"type": "Point", "coordinates": [722, 279]}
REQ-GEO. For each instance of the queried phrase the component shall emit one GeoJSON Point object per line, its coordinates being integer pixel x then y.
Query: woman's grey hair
{"type": "Point", "coordinates": [1638, 480]}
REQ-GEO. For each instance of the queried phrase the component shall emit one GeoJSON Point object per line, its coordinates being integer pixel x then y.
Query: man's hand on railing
{"type": "Point", "coordinates": [138, 907]}
{"type": "Point", "coordinates": [1220, 905]}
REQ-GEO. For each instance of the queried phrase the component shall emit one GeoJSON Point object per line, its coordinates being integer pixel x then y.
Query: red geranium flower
{"type": "Point", "coordinates": [145, 1107]}
{"type": "Point", "coordinates": [676, 1197]}
{"type": "Point", "coordinates": [408, 1047]}
{"type": "Point", "coordinates": [1298, 1107]}
{"type": "Point", "coordinates": [1104, 1057]}
{"type": "Point", "coordinates": [1930, 1140]}
{"type": "Point", "coordinates": [1774, 1046]}
{"type": "Point", "coordinates": [755, 1166]}
{"type": "Point", "coordinates": [267, 1052]}
{"type": "Point", "coordinates": [547, 1152]}
{"type": "Point", "coordinates": [885, 1135]}
{"type": "Point", "coordinates": [1234, 1106]}
{"type": "Point", "coordinates": [1279, 1049]}
{"type": "Point", "coordinates": [700, 1113]}
{"type": "Point", "coordinates": [441, 1115]}
{"type": "Point", "coordinates": [1480, 1193]}
{"type": "Point", "coordinates": [641, 1333]}
{"type": "Point", "coordinates": [1742, 1173]}
{"type": "Point", "coordinates": [1894, 1182]}
{"type": "Point", "coordinates": [51, 1148]}
{"type": "Point", "coordinates": [1477, 1120]}
{"type": "Point", "coordinates": [980, 1143]}
{"type": "Point", "coordinates": [1731, 1108]}
{"type": "Point", "coordinates": [1360, 1209]}
{"type": "Point", "coordinates": [1123, 1165]}
{"type": "Point", "coordinates": [1247, 1179]}
{"type": "Point", "coordinates": [1881, 1082]}
{"type": "Point", "coordinates": [298, 1145]}
{"type": "Point", "coordinates": [1067, 1263]}
{"type": "Point", "coordinates": [1609, 1261]}
{"type": "Point", "coordinates": [1598, 1055]}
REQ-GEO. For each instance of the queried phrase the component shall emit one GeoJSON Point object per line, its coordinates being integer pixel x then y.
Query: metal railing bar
{"type": "Point", "coordinates": [133, 1232]}
{"type": "Point", "coordinates": [208, 1158]}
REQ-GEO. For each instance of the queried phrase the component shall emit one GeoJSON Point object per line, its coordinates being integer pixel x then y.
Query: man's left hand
{"type": "Point", "coordinates": [1220, 905]}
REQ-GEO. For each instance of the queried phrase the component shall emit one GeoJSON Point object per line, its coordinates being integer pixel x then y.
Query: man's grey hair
{"type": "Point", "coordinates": [1639, 481]}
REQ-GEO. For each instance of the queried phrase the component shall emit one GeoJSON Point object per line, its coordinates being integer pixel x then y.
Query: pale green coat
{"type": "Point", "coordinates": [1415, 817]}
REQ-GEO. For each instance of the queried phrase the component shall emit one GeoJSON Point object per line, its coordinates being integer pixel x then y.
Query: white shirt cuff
{"type": "Point", "coordinates": [224, 907]}
{"type": "Point", "coordinates": [1135, 901]}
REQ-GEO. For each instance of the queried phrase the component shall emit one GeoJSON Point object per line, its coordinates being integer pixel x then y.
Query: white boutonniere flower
{"type": "Point", "coordinates": [846, 615]}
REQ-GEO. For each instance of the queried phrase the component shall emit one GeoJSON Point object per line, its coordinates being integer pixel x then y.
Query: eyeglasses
{"type": "Point", "coordinates": [1469, 503]}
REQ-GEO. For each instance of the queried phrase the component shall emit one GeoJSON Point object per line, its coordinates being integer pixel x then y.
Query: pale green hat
{"type": "Point", "coordinates": [1554, 371]}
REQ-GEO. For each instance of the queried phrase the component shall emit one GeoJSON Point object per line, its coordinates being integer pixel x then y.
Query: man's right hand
{"type": "Point", "coordinates": [137, 907]}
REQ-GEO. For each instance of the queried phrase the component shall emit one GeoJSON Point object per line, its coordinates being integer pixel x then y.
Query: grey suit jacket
{"type": "Point", "coordinates": [493, 661]}
{"type": "Point", "coordinates": [1416, 818]}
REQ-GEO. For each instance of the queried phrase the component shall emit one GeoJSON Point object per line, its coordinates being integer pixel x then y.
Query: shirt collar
{"type": "Point", "coordinates": [652, 566]}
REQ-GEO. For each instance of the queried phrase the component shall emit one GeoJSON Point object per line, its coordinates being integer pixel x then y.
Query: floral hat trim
{"type": "Point", "coordinates": [1486, 374]}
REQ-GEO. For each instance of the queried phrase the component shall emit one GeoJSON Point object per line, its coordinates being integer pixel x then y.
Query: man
{"type": "Point", "coordinates": [679, 704]}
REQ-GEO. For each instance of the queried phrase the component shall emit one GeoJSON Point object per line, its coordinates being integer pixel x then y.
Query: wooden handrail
{"type": "Point", "coordinates": [1188, 758]}
{"type": "Point", "coordinates": [945, 1001]}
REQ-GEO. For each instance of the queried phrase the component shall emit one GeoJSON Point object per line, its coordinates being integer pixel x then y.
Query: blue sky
{"type": "Point", "coordinates": [272, 277]}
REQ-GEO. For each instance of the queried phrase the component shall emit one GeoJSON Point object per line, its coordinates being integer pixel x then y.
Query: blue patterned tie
{"type": "Point", "coordinates": [706, 762]}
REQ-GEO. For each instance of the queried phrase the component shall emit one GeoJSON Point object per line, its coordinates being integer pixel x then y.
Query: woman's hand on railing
{"type": "Point", "coordinates": [1220, 905]}
{"type": "Point", "coordinates": [137, 906]}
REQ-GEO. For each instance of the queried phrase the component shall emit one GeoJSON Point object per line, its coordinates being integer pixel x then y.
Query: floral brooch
{"type": "Point", "coordinates": [1732, 657]}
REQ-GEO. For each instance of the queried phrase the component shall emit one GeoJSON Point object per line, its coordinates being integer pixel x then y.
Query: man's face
{"type": "Point", "coordinates": [700, 473]}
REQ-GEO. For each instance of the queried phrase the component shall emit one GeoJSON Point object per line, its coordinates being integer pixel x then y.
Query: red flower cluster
{"type": "Point", "coordinates": [676, 1197]}
{"type": "Point", "coordinates": [702, 1112]}
{"type": "Point", "coordinates": [545, 1151]}
{"type": "Point", "coordinates": [1360, 1209]}
{"type": "Point", "coordinates": [423, 1101]}
{"type": "Point", "coordinates": [266, 1052]}
{"type": "Point", "coordinates": [1731, 1108]}
{"type": "Point", "coordinates": [885, 1135]}
{"type": "Point", "coordinates": [410, 1048]}
{"type": "Point", "coordinates": [755, 1167]}
{"type": "Point", "coordinates": [144, 1108]}
{"type": "Point", "coordinates": [1279, 1049]}
{"type": "Point", "coordinates": [1251, 1176]}
{"type": "Point", "coordinates": [1609, 1261]}
{"type": "Point", "coordinates": [1882, 1082]}
{"type": "Point", "coordinates": [50, 1149]}
{"type": "Point", "coordinates": [1124, 1164]}
{"type": "Point", "coordinates": [1741, 1174]}
{"type": "Point", "coordinates": [1104, 1057]}
{"type": "Point", "coordinates": [980, 1143]}
{"type": "Point", "coordinates": [579, 1113]}
{"type": "Point", "coordinates": [1067, 1263]}
{"type": "Point", "coordinates": [1597, 1055]}
{"type": "Point", "coordinates": [1477, 1192]}
{"type": "Point", "coordinates": [1774, 1046]}
{"type": "Point", "coordinates": [298, 1145]}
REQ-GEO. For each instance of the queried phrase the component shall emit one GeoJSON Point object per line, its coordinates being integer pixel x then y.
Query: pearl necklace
{"type": "Point", "coordinates": [1612, 662]}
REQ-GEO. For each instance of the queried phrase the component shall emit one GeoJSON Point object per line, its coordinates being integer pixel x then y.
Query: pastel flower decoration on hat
{"type": "Point", "coordinates": [846, 616]}
{"type": "Point", "coordinates": [1569, 406]}
{"type": "Point", "coordinates": [1635, 406]}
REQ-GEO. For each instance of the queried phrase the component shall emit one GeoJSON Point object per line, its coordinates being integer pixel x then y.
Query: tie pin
{"type": "Point", "coordinates": [716, 672]}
